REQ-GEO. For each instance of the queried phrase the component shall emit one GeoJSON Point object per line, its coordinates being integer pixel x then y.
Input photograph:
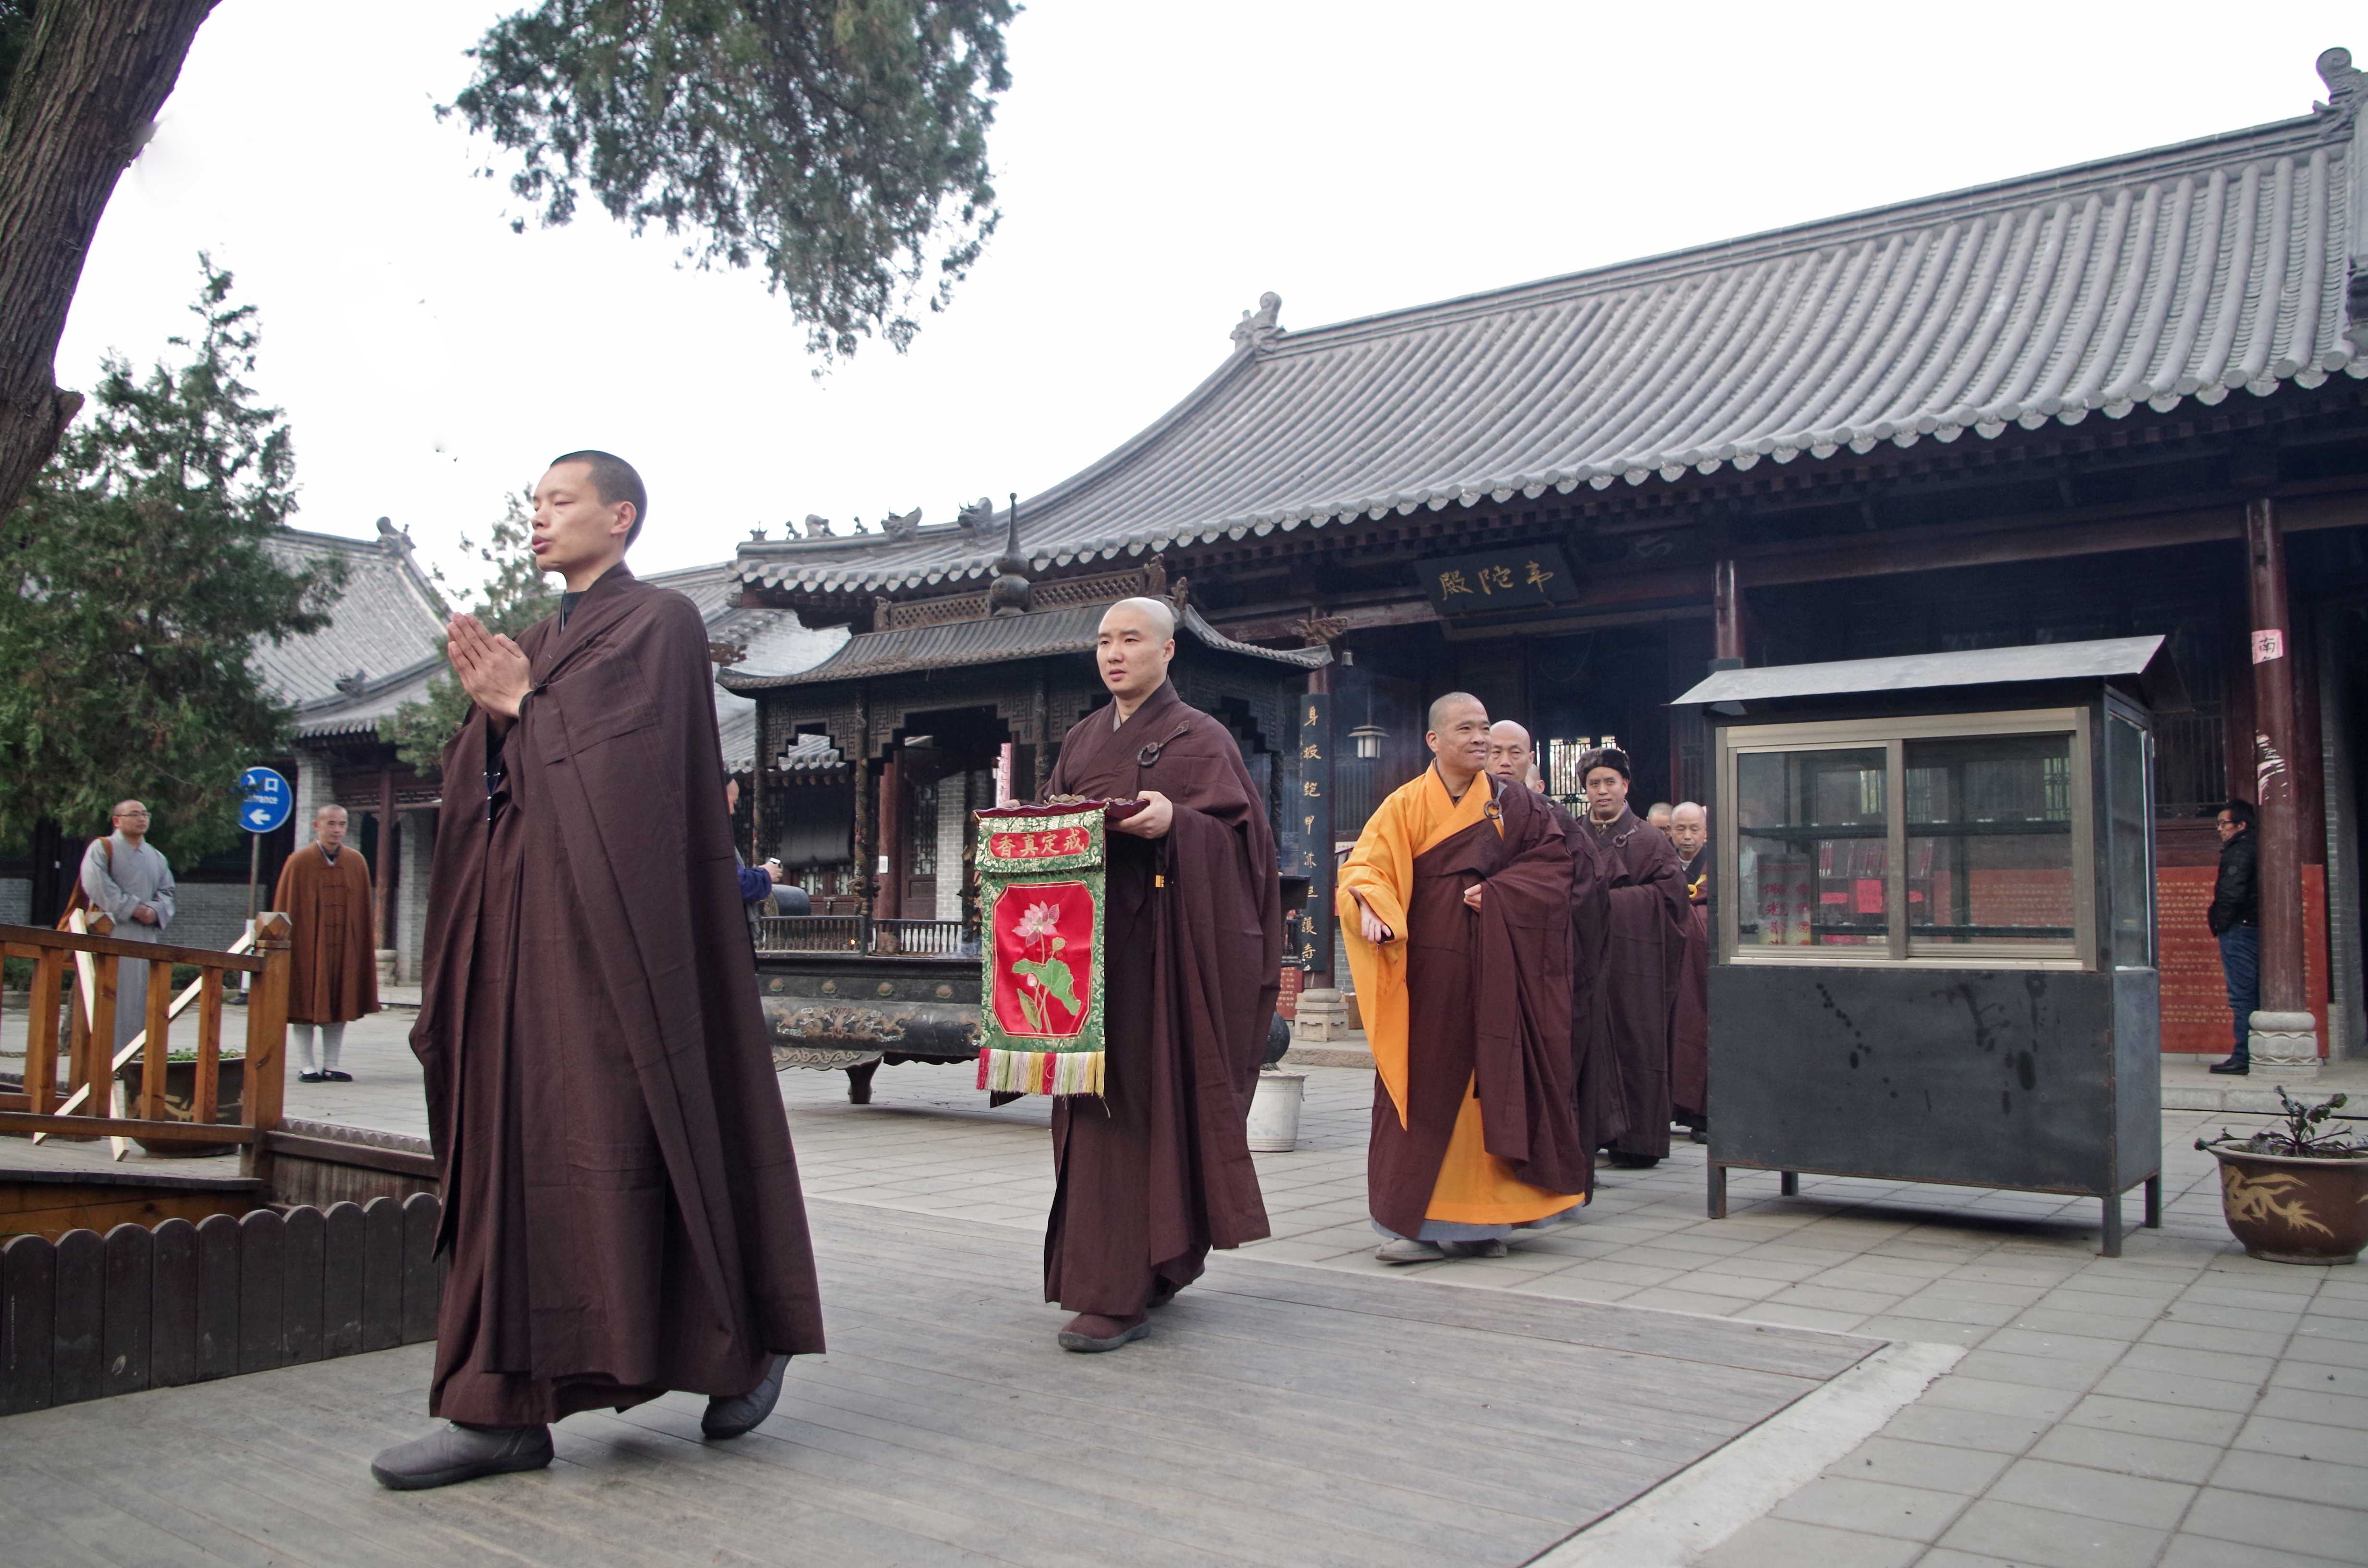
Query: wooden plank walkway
{"type": "Point", "coordinates": [1277, 1414]}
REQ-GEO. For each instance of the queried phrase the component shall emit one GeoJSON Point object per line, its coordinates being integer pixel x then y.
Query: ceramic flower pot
{"type": "Point", "coordinates": [1274, 1112]}
{"type": "Point", "coordinates": [180, 1095]}
{"type": "Point", "coordinates": [2292, 1210]}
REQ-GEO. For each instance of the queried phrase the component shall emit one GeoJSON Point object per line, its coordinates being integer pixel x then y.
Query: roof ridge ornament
{"type": "Point", "coordinates": [2346, 85]}
{"type": "Point", "coordinates": [904, 527]}
{"type": "Point", "coordinates": [1258, 333]}
{"type": "Point", "coordinates": [1011, 593]}
{"type": "Point", "coordinates": [818, 526]}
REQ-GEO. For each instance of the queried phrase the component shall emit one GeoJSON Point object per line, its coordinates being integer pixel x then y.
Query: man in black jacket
{"type": "Point", "coordinates": [2236, 918]}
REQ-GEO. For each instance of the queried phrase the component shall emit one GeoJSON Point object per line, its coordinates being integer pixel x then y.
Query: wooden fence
{"type": "Point", "coordinates": [87, 1316]}
{"type": "Point", "coordinates": [88, 964]}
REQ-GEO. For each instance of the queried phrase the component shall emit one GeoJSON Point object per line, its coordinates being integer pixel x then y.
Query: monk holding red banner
{"type": "Point", "coordinates": [1157, 1170]}
{"type": "Point", "coordinates": [1456, 910]}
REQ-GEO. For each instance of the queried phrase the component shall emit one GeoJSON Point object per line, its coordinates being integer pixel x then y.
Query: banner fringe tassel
{"type": "Point", "coordinates": [1040, 1072]}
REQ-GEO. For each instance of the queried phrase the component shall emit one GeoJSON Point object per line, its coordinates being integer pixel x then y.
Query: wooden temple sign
{"type": "Point", "coordinates": [1529, 578]}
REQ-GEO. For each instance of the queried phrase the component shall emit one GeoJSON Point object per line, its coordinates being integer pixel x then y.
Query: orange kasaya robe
{"type": "Point", "coordinates": [1467, 1011]}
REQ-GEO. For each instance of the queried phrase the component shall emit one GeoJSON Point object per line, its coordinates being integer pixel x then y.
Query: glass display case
{"type": "Point", "coordinates": [1933, 954]}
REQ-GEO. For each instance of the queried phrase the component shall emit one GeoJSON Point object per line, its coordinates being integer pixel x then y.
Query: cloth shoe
{"type": "Point", "coordinates": [2242, 1066]}
{"type": "Point", "coordinates": [1621, 1161]}
{"type": "Point", "coordinates": [1404, 1251]}
{"type": "Point", "coordinates": [739, 1415]}
{"type": "Point", "coordinates": [310, 1078]}
{"type": "Point", "coordinates": [461, 1453]}
{"type": "Point", "coordinates": [1162, 1291]}
{"type": "Point", "coordinates": [1090, 1332]}
{"type": "Point", "coordinates": [1494, 1246]}
{"type": "Point", "coordinates": [334, 1076]}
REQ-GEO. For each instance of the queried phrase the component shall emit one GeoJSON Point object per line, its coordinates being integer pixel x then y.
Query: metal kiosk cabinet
{"type": "Point", "coordinates": [1932, 921]}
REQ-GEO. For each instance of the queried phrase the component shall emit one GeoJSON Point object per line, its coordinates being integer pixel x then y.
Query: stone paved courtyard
{"type": "Point", "coordinates": [2182, 1404]}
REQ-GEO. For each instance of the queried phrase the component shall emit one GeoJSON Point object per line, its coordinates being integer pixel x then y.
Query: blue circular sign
{"type": "Point", "coordinates": [268, 800]}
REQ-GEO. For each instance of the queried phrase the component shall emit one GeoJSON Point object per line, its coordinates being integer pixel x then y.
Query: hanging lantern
{"type": "Point", "coordinates": [1366, 740]}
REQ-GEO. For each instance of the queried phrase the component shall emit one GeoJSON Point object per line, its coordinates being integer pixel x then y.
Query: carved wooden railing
{"type": "Point", "coordinates": [87, 964]}
{"type": "Point", "coordinates": [862, 934]}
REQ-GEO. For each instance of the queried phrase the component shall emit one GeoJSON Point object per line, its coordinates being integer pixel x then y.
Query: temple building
{"type": "Point", "coordinates": [2116, 399]}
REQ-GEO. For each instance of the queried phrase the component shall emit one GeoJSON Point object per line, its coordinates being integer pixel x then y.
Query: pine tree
{"type": "Point", "coordinates": [139, 577]}
{"type": "Point", "coordinates": [513, 596]}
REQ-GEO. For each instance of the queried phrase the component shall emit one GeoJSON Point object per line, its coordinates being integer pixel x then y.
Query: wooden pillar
{"type": "Point", "coordinates": [1726, 616]}
{"type": "Point", "coordinates": [389, 830]}
{"type": "Point", "coordinates": [2277, 804]}
{"type": "Point", "coordinates": [266, 1043]}
{"type": "Point", "coordinates": [890, 817]}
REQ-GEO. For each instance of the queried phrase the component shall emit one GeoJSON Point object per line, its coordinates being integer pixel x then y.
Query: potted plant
{"type": "Point", "coordinates": [2295, 1193]}
{"type": "Point", "coordinates": [181, 1095]}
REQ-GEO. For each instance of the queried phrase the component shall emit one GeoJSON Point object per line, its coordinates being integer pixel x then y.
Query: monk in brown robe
{"type": "Point", "coordinates": [1157, 1171]}
{"type": "Point", "coordinates": [1512, 758]}
{"type": "Point", "coordinates": [1690, 1026]}
{"type": "Point", "coordinates": [324, 890]}
{"type": "Point", "coordinates": [1642, 919]}
{"type": "Point", "coordinates": [622, 1209]}
{"type": "Point", "coordinates": [1456, 912]}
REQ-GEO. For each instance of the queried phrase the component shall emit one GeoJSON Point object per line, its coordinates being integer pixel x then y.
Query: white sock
{"type": "Point", "coordinates": [302, 1035]}
{"type": "Point", "coordinates": [333, 1041]}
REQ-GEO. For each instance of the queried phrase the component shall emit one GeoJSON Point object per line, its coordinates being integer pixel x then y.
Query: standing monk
{"type": "Point", "coordinates": [1690, 1028]}
{"type": "Point", "coordinates": [1455, 908]}
{"type": "Point", "coordinates": [1512, 758]}
{"type": "Point", "coordinates": [1643, 920]}
{"type": "Point", "coordinates": [325, 890]}
{"type": "Point", "coordinates": [1157, 1171]}
{"type": "Point", "coordinates": [621, 1212]}
{"type": "Point", "coordinates": [128, 880]}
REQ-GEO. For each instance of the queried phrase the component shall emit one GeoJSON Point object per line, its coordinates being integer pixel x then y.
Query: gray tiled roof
{"type": "Point", "coordinates": [2192, 270]}
{"type": "Point", "coordinates": [989, 641]}
{"type": "Point", "coordinates": [1916, 672]}
{"type": "Point", "coordinates": [388, 621]}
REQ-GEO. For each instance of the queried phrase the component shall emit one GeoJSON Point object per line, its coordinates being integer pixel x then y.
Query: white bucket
{"type": "Point", "coordinates": [1274, 1112]}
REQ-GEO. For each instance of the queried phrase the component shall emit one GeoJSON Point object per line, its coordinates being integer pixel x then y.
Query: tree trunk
{"type": "Point", "coordinates": [83, 102]}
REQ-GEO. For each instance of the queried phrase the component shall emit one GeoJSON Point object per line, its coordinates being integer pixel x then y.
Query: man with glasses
{"type": "Point", "coordinates": [2235, 920]}
{"type": "Point", "coordinates": [128, 880]}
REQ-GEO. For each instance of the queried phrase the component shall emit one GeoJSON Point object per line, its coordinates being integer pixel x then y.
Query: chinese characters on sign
{"type": "Point", "coordinates": [1529, 577]}
{"type": "Point", "coordinates": [1038, 846]}
{"type": "Point", "coordinates": [1307, 841]}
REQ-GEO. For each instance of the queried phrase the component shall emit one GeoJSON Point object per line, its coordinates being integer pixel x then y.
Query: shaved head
{"type": "Point", "coordinates": [1689, 829]}
{"type": "Point", "coordinates": [1158, 614]}
{"type": "Point", "coordinates": [1444, 708]}
{"type": "Point", "coordinates": [1509, 757]}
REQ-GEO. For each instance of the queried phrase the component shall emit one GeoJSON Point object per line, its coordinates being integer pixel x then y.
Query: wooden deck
{"type": "Point", "coordinates": [1277, 1415]}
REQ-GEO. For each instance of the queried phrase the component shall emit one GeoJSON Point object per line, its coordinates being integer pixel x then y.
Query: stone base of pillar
{"type": "Point", "coordinates": [2285, 1044]}
{"type": "Point", "coordinates": [1322, 1017]}
{"type": "Point", "coordinates": [386, 966]}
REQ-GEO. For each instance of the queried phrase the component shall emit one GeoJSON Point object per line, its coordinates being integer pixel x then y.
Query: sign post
{"type": "Point", "coordinates": [266, 802]}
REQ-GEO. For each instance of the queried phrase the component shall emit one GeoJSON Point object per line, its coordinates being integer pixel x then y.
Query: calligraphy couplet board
{"type": "Point", "coordinates": [1527, 578]}
{"type": "Point", "coordinates": [1314, 814]}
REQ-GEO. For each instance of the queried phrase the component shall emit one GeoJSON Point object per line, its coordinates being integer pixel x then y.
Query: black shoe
{"type": "Point", "coordinates": [334, 1076]}
{"type": "Point", "coordinates": [461, 1453]}
{"type": "Point", "coordinates": [2237, 1066]}
{"type": "Point", "coordinates": [739, 1415]}
{"type": "Point", "coordinates": [1162, 1291]}
{"type": "Point", "coordinates": [1621, 1161]}
{"type": "Point", "coordinates": [310, 1078]}
{"type": "Point", "coordinates": [1700, 1134]}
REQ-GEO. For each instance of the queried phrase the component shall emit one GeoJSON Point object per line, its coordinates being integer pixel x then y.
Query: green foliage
{"type": "Point", "coordinates": [15, 33]}
{"type": "Point", "coordinates": [512, 598]}
{"type": "Point", "coordinates": [135, 580]}
{"type": "Point", "coordinates": [839, 143]}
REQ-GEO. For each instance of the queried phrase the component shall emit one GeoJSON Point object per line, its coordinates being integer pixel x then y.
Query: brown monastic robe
{"type": "Point", "coordinates": [622, 1209]}
{"type": "Point", "coordinates": [335, 977]}
{"type": "Point", "coordinates": [1157, 1171]}
{"type": "Point", "coordinates": [1690, 1026]}
{"type": "Point", "coordinates": [1488, 994]}
{"type": "Point", "coordinates": [1602, 1106]}
{"type": "Point", "coordinates": [1641, 918]}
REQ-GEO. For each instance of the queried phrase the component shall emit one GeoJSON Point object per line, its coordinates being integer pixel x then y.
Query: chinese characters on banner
{"type": "Point", "coordinates": [1526, 578]}
{"type": "Point", "coordinates": [1309, 840]}
{"type": "Point", "coordinates": [1038, 846]}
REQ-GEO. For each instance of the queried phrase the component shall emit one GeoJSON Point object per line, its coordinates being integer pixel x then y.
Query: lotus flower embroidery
{"type": "Point", "coordinates": [1044, 977]}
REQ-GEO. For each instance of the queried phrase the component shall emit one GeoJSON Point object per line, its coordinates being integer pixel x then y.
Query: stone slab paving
{"type": "Point", "coordinates": [2182, 1404]}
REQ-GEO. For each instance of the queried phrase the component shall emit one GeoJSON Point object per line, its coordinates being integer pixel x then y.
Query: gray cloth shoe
{"type": "Point", "coordinates": [1492, 1247]}
{"type": "Point", "coordinates": [461, 1453]}
{"type": "Point", "coordinates": [1404, 1251]}
{"type": "Point", "coordinates": [1090, 1333]}
{"type": "Point", "coordinates": [738, 1416]}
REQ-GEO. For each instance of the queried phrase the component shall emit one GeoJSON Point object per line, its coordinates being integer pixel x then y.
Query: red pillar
{"type": "Point", "coordinates": [2278, 800]}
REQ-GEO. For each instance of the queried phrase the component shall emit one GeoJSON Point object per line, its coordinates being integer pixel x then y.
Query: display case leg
{"type": "Point", "coordinates": [858, 1083]}
{"type": "Point", "coordinates": [2112, 1247]}
{"type": "Point", "coordinates": [2154, 1201]}
{"type": "Point", "coordinates": [1718, 1190]}
{"type": "Point", "coordinates": [1788, 1183]}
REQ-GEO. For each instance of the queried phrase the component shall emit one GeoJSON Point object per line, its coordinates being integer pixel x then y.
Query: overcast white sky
{"type": "Point", "coordinates": [1158, 167]}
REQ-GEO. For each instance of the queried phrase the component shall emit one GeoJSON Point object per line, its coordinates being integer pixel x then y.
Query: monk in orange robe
{"type": "Point", "coordinates": [1456, 912]}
